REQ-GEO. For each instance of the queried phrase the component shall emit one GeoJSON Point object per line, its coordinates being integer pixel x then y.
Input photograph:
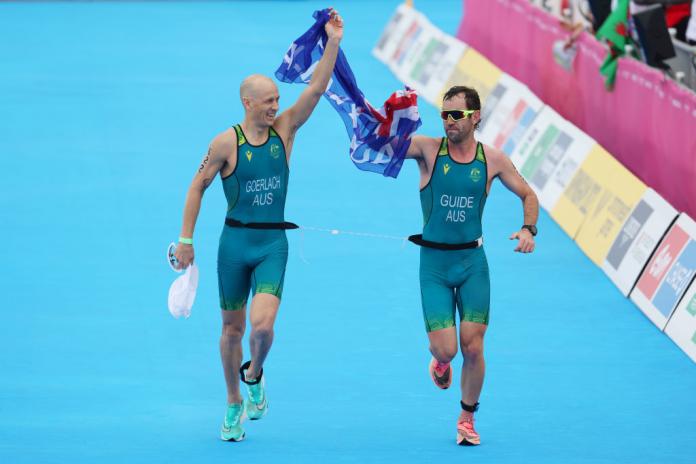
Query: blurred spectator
{"type": "Point", "coordinates": [691, 29]}
{"type": "Point", "coordinates": [677, 13]}
{"type": "Point", "coordinates": [600, 11]}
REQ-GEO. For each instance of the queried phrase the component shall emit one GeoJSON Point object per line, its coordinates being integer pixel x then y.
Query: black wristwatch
{"type": "Point", "coordinates": [531, 228]}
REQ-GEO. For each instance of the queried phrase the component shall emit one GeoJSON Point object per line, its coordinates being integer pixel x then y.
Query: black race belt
{"type": "Point", "coordinates": [419, 240]}
{"type": "Point", "coordinates": [261, 225]}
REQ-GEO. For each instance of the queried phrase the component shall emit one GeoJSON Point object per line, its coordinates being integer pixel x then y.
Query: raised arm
{"type": "Point", "coordinates": [220, 149]}
{"type": "Point", "coordinates": [297, 114]}
{"type": "Point", "coordinates": [424, 150]}
{"type": "Point", "coordinates": [416, 150]}
{"type": "Point", "coordinates": [514, 182]}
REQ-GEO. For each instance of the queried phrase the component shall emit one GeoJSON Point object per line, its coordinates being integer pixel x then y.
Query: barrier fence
{"type": "Point", "coordinates": [646, 122]}
{"type": "Point", "coordinates": [623, 225]}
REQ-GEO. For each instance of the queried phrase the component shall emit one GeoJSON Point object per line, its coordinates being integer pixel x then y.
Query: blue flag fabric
{"type": "Point", "coordinates": [379, 138]}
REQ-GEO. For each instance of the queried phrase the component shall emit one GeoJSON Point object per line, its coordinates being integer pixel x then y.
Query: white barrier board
{"type": "Point", "coordinates": [638, 238]}
{"type": "Point", "coordinates": [668, 274]}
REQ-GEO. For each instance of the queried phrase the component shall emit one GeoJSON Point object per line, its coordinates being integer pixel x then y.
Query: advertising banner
{"type": "Point", "coordinates": [474, 70]}
{"type": "Point", "coordinates": [621, 191]}
{"type": "Point", "coordinates": [395, 34]}
{"type": "Point", "coordinates": [550, 155]}
{"type": "Point", "coordinates": [668, 273]}
{"type": "Point", "coordinates": [638, 238]}
{"type": "Point", "coordinates": [509, 111]}
{"type": "Point", "coordinates": [585, 192]}
{"type": "Point", "coordinates": [421, 55]}
{"type": "Point", "coordinates": [436, 63]}
{"type": "Point", "coordinates": [681, 327]}
{"type": "Point", "coordinates": [412, 45]}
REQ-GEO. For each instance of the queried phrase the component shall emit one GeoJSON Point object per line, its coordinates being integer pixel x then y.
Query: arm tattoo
{"type": "Point", "coordinates": [530, 209]}
{"type": "Point", "coordinates": [205, 161]}
{"type": "Point", "coordinates": [518, 174]}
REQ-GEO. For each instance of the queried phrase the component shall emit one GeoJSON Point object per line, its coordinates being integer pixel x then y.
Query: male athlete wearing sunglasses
{"type": "Point", "coordinates": [456, 176]}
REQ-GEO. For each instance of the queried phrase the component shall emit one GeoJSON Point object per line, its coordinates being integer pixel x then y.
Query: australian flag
{"type": "Point", "coordinates": [379, 138]}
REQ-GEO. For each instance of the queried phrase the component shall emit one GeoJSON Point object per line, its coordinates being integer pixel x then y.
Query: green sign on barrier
{"type": "Point", "coordinates": [691, 307]}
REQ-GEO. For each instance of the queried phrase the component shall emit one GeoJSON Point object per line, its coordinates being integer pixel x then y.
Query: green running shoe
{"type": "Point", "coordinates": [256, 405]}
{"type": "Point", "coordinates": [232, 425]}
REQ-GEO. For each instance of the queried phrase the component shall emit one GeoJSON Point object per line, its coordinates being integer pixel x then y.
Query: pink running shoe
{"type": "Point", "coordinates": [466, 435]}
{"type": "Point", "coordinates": [440, 373]}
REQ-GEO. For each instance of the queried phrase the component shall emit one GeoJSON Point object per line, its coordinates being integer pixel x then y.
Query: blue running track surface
{"type": "Point", "coordinates": [106, 109]}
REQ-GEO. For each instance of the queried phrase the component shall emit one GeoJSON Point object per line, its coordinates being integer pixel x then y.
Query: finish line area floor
{"type": "Point", "coordinates": [107, 109]}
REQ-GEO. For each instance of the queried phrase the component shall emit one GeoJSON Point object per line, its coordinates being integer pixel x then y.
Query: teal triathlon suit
{"type": "Point", "coordinates": [452, 205]}
{"type": "Point", "coordinates": [252, 259]}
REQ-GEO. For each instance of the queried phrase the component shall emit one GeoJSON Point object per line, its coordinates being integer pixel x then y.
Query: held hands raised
{"type": "Point", "coordinates": [334, 28]}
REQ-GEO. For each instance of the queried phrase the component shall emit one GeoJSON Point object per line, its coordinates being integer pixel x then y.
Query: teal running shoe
{"type": "Point", "coordinates": [232, 426]}
{"type": "Point", "coordinates": [257, 404]}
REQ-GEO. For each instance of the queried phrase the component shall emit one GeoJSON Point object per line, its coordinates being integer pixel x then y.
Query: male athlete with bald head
{"type": "Point", "coordinates": [456, 176]}
{"type": "Point", "coordinates": [252, 159]}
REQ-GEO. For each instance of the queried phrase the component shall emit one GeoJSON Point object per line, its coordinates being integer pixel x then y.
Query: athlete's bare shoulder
{"type": "Point", "coordinates": [496, 160]}
{"type": "Point", "coordinates": [225, 143]}
{"type": "Point", "coordinates": [423, 147]}
{"type": "Point", "coordinates": [428, 142]}
{"type": "Point", "coordinates": [222, 153]}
